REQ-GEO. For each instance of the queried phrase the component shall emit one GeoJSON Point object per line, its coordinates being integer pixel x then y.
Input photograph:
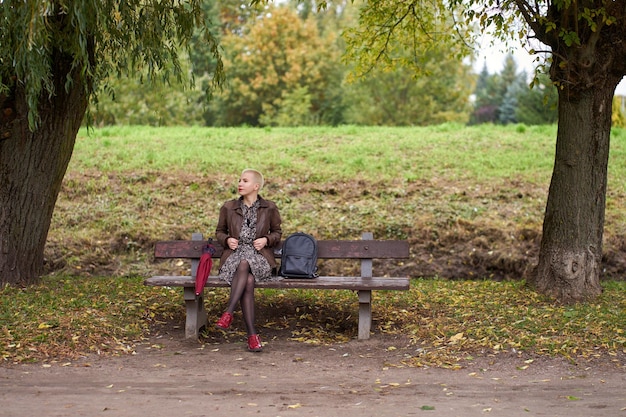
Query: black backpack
{"type": "Point", "coordinates": [299, 256]}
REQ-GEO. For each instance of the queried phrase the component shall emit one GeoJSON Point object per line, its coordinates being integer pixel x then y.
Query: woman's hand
{"type": "Point", "coordinates": [232, 243]}
{"type": "Point", "coordinates": [260, 243]}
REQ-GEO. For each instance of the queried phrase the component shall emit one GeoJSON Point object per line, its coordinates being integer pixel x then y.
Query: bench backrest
{"type": "Point", "coordinates": [327, 249]}
{"type": "Point", "coordinates": [366, 250]}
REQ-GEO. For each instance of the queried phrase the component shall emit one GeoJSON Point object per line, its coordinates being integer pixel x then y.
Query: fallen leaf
{"type": "Point", "coordinates": [457, 337]}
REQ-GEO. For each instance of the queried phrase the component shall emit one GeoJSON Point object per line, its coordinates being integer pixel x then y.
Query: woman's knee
{"type": "Point", "coordinates": [250, 283]}
{"type": "Point", "coordinates": [243, 266]}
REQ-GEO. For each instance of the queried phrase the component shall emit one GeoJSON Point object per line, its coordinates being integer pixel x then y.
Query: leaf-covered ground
{"type": "Point", "coordinates": [447, 322]}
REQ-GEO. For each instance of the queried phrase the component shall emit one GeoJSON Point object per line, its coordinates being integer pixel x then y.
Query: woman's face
{"type": "Point", "coordinates": [247, 184]}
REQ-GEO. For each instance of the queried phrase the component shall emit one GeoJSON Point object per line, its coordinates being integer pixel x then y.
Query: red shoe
{"type": "Point", "coordinates": [224, 321]}
{"type": "Point", "coordinates": [254, 343]}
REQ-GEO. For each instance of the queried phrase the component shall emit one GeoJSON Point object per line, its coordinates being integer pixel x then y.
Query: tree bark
{"type": "Point", "coordinates": [570, 256]}
{"type": "Point", "coordinates": [32, 167]}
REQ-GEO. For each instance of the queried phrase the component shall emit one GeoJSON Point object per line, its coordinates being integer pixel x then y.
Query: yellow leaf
{"type": "Point", "coordinates": [456, 337]}
{"type": "Point", "coordinates": [44, 326]}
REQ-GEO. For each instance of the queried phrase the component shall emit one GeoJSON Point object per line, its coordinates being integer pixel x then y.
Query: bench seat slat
{"type": "Point", "coordinates": [336, 283]}
{"type": "Point", "coordinates": [327, 249]}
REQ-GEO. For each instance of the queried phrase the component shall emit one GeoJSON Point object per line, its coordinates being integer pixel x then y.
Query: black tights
{"type": "Point", "coordinates": [242, 291]}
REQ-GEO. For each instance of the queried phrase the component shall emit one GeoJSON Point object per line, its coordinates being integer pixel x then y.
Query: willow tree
{"type": "Point", "coordinates": [585, 43]}
{"type": "Point", "coordinates": [54, 55]}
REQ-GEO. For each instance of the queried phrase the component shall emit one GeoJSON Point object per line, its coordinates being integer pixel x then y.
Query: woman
{"type": "Point", "coordinates": [248, 229]}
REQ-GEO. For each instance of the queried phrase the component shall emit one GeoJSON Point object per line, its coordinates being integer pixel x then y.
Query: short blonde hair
{"type": "Point", "coordinates": [257, 176]}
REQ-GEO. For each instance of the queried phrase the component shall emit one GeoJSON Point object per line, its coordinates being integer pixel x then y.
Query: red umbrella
{"type": "Point", "coordinates": [204, 267]}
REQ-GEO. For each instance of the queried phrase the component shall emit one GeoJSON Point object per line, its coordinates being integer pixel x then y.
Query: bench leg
{"type": "Point", "coordinates": [365, 314]}
{"type": "Point", "coordinates": [196, 316]}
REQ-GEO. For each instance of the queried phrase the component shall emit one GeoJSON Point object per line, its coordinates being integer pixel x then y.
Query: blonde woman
{"type": "Point", "coordinates": [249, 228]}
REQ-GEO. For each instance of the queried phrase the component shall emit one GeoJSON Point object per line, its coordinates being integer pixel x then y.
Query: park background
{"type": "Point", "coordinates": [457, 161]}
{"type": "Point", "coordinates": [286, 66]}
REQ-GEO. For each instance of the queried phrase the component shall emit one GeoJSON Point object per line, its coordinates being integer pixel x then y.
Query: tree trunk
{"type": "Point", "coordinates": [570, 256]}
{"type": "Point", "coordinates": [32, 167]}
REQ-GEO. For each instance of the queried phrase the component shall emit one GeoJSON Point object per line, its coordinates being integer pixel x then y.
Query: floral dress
{"type": "Point", "coordinates": [258, 264]}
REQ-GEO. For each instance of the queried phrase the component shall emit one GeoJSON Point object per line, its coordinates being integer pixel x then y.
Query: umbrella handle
{"type": "Point", "coordinates": [209, 248]}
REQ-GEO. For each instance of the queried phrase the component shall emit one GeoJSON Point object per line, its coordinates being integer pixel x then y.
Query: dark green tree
{"type": "Point", "coordinates": [507, 113]}
{"type": "Point", "coordinates": [538, 105]}
{"type": "Point", "coordinates": [487, 98]}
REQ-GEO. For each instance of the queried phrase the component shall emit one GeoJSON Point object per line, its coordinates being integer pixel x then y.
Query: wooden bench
{"type": "Point", "coordinates": [364, 250]}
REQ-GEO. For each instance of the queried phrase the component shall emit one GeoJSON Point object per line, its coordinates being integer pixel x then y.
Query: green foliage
{"type": "Point", "coordinates": [388, 29]}
{"type": "Point", "coordinates": [511, 85]}
{"type": "Point", "coordinates": [506, 97]}
{"type": "Point", "coordinates": [399, 97]}
{"type": "Point", "coordinates": [509, 106]}
{"type": "Point", "coordinates": [487, 98]}
{"type": "Point", "coordinates": [296, 80]}
{"type": "Point", "coordinates": [538, 105]}
{"type": "Point", "coordinates": [135, 102]}
{"type": "Point", "coordinates": [102, 39]}
{"type": "Point", "coordinates": [202, 55]}
{"type": "Point", "coordinates": [277, 67]}
{"type": "Point", "coordinates": [294, 110]}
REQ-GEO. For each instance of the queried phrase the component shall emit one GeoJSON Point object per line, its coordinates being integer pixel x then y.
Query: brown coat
{"type": "Point", "coordinates": [268, 225]}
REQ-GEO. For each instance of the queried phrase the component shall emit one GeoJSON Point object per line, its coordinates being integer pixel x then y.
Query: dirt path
{"type": "Point", "coordinates": [172, 377]}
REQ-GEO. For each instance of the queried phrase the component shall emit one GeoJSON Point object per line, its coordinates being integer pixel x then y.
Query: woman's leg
{"type": "Point", "coordinates": [238, 286]}
{"type": "Point", "coordinates": [247, 305]}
